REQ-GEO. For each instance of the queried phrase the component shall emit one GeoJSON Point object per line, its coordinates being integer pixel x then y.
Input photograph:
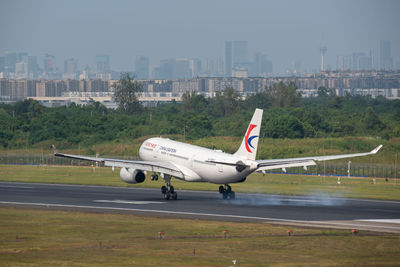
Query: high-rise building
{"type": "Point", "coordinates": [33, 65]}
{"type": "Point", "coordinates": [22, 57]}
{"type": "Point", "coordinates": [11, 58]}
{"type": "Point", "coordinates": [355, 60]}
{"type": "Point", "coordinates": [343, 62]}
{"type": "Point", "coordinates": [21, 69]}
{"type": "Point", "coordinates": [240, 53]}
{"type": "Point", "coordinates": [70, 66]}
{"type": "Point", "coordinates": [195, 66]}
{"type": "Point", "coordinates": [261, 65]}
{"type": "Point", "coordinates": [49, 63]}
{"type": "Point", "coordinates": [2, 63]}
{"type": "Point", "coordinates": [365, 63]}
{"type": "Point", "coordinates": [102, 63]}
{"type": "Point", "coordinates": [323, 51]}
{"type": "Point", "coordinates": [386, 60]}
{"type": "Point", "coordinates": [178, 68]}
{"type": "Point", "coordinates": [228, 59]}
{"type": "Point", "coordinates": [142, 67]}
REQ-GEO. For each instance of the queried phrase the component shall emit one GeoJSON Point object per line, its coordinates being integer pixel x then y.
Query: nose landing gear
{"type": "Point", "coordinates": [226, 192]}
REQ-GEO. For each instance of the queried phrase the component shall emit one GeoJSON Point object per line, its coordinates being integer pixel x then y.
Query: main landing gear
{"type": "Point", "coordinates": [168, 191]}
{"type": "Point", "coordinates": [226, 192]}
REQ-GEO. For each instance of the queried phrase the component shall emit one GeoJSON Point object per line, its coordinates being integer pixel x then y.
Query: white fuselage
{"type": "Point", "coordinates": [192, 160]}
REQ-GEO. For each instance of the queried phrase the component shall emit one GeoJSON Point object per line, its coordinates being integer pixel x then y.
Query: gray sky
{"type": "Point", "coordinates": [286, 31]}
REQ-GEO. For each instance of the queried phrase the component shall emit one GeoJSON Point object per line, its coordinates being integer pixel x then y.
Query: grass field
{"type": "Point", "coordinates": [257, 183]}
{"type": "Point", "coordinates": [61, 238]}
{"type": "Point", "coordinates": [268, 148]}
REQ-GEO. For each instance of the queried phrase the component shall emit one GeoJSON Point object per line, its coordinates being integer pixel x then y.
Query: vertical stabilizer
{"type": "Point", "coordinates": [248, 148]}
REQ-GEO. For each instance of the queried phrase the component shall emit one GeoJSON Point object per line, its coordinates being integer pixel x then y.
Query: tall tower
{"type": "Point", "coordinates": [240, 53]}
{"type": "Point", "coordinates": [323, 51]}
{"type": "Point", "coordinates": [228, 59]}
{"type": "Point", "coordinates": [386, 60]}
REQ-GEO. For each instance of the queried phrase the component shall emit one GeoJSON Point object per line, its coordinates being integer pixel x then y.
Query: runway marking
{"type": "Point", "coordinates": [129, 202]}
{"type": "Point", "coordinates": [16, 186]}
{"type": "Point", "coordinates": [147, 210]}
{"type": "Point", "coordinates": [397, 221]}
{"type": "Point", "coordinates": [198, 191]}
{"type": "Point", "coordinates": [299, 200]}
{"type": "Point", "coordinates": [265, 219]}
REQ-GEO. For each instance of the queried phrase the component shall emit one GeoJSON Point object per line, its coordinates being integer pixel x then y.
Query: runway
{"type": "Point", "coordinates": [309, 211]}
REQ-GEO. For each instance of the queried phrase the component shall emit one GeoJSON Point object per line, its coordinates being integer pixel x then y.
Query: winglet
{"type": "Point", "coordinates": [376, 149]}
{"type": "Point", "coordinates": [54, 149]}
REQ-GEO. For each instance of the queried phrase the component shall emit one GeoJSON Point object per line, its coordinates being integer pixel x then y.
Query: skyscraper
{"type": "Point", "coordinates": [195, 66]}
{"type": "Point", "coordinates": [49, 63]}
{"type": "Point", "coordinates": [355, 60]}
{"type": "Point", "coordinates": [365, 63]}
{"type": "Point", "coordinates": [10, 60]}
{"type": "Point", "coordinates": [343, 62]}
{"type": "Point", "coordinates": [228, 59]}
{"type": "Point", "coordinates": [323, 51]}
{"type": "Point", "coordinates": [142, 67]}
{"type": "Point", "coordinates": [2, 63]}
{"type": "Point", "coordinates": [386, 60]}
{"type": "Point", "coordinates": [102, 63]}
{"type": "Point", "coordinates": [33, 65]}
{"type": "Point", "coordinates": [261, 65]}
{"type": "Point", "coordinates": [70, 67]}
{"type": "Point", "coordinates": [240, 53]}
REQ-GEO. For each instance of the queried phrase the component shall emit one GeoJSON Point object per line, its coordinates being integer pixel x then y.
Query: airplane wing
{"type": "Point", "coordinates": [161, 167]}
{"type": "Point", "coordinates": [270, 164]}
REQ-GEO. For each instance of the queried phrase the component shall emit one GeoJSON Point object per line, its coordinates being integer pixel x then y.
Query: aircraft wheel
{"type": "Point", "coordinates": [164, 189]}
{"type": "Point", "coordinates": [221, 189]}
{"type": "Point", "coordinates": [171, 189]}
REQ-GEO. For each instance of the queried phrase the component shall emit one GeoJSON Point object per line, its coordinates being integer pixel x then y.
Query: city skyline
{"type": "Point", "coordinates": [235, 62]}
{"type": "Point", "coordinates": [287, 33]}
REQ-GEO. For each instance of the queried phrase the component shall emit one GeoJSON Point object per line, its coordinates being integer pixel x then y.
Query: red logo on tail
{"type": "Point", "coordinates": [248, 139]}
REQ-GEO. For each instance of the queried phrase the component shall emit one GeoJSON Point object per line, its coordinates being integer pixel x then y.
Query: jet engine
{"type": "Point", "coordinates": [132, 176]}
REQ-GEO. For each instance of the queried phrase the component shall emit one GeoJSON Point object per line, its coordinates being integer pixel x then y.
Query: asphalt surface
{"type": "Point", "coordinates": [310, 211]}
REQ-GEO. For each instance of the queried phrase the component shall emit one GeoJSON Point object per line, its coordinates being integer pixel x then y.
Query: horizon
{"type": "Point", "coordinates": [289, 33]}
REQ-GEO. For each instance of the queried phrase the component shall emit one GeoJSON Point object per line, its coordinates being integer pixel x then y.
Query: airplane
{"type": "Point", "coordinates": [172, 159]}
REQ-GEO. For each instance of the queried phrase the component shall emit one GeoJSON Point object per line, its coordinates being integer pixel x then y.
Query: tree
{"type": "Point", "coordinates": [372, 121]}
{"type": "Point", "coordinates": [227, 102]}
{"type": "Point", "coordinates": [282, 95]}
{"type": "Point", "coordinates": [125, 94]}
{"type": "Point", "coordinates": [194, 101]}
{"type": "Point", "coordinates": [285, 126]}
{"type": "Point", "coordinates": [326, 92]}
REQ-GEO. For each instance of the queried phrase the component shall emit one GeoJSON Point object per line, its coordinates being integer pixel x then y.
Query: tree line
{"type": "Point", "coordinates": [286, 115]}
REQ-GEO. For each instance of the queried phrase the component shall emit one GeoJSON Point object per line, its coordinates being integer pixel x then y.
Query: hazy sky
{"type": "Point", "coordinates": [286, 31]}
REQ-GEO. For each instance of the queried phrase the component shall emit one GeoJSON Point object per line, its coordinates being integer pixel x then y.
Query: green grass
{"type": "Point", "coordinates": [257, 183]}
{"type": "Point", "coordinates": [61, 238]}
{"type": "Point", "coordinates": [268, 147]}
